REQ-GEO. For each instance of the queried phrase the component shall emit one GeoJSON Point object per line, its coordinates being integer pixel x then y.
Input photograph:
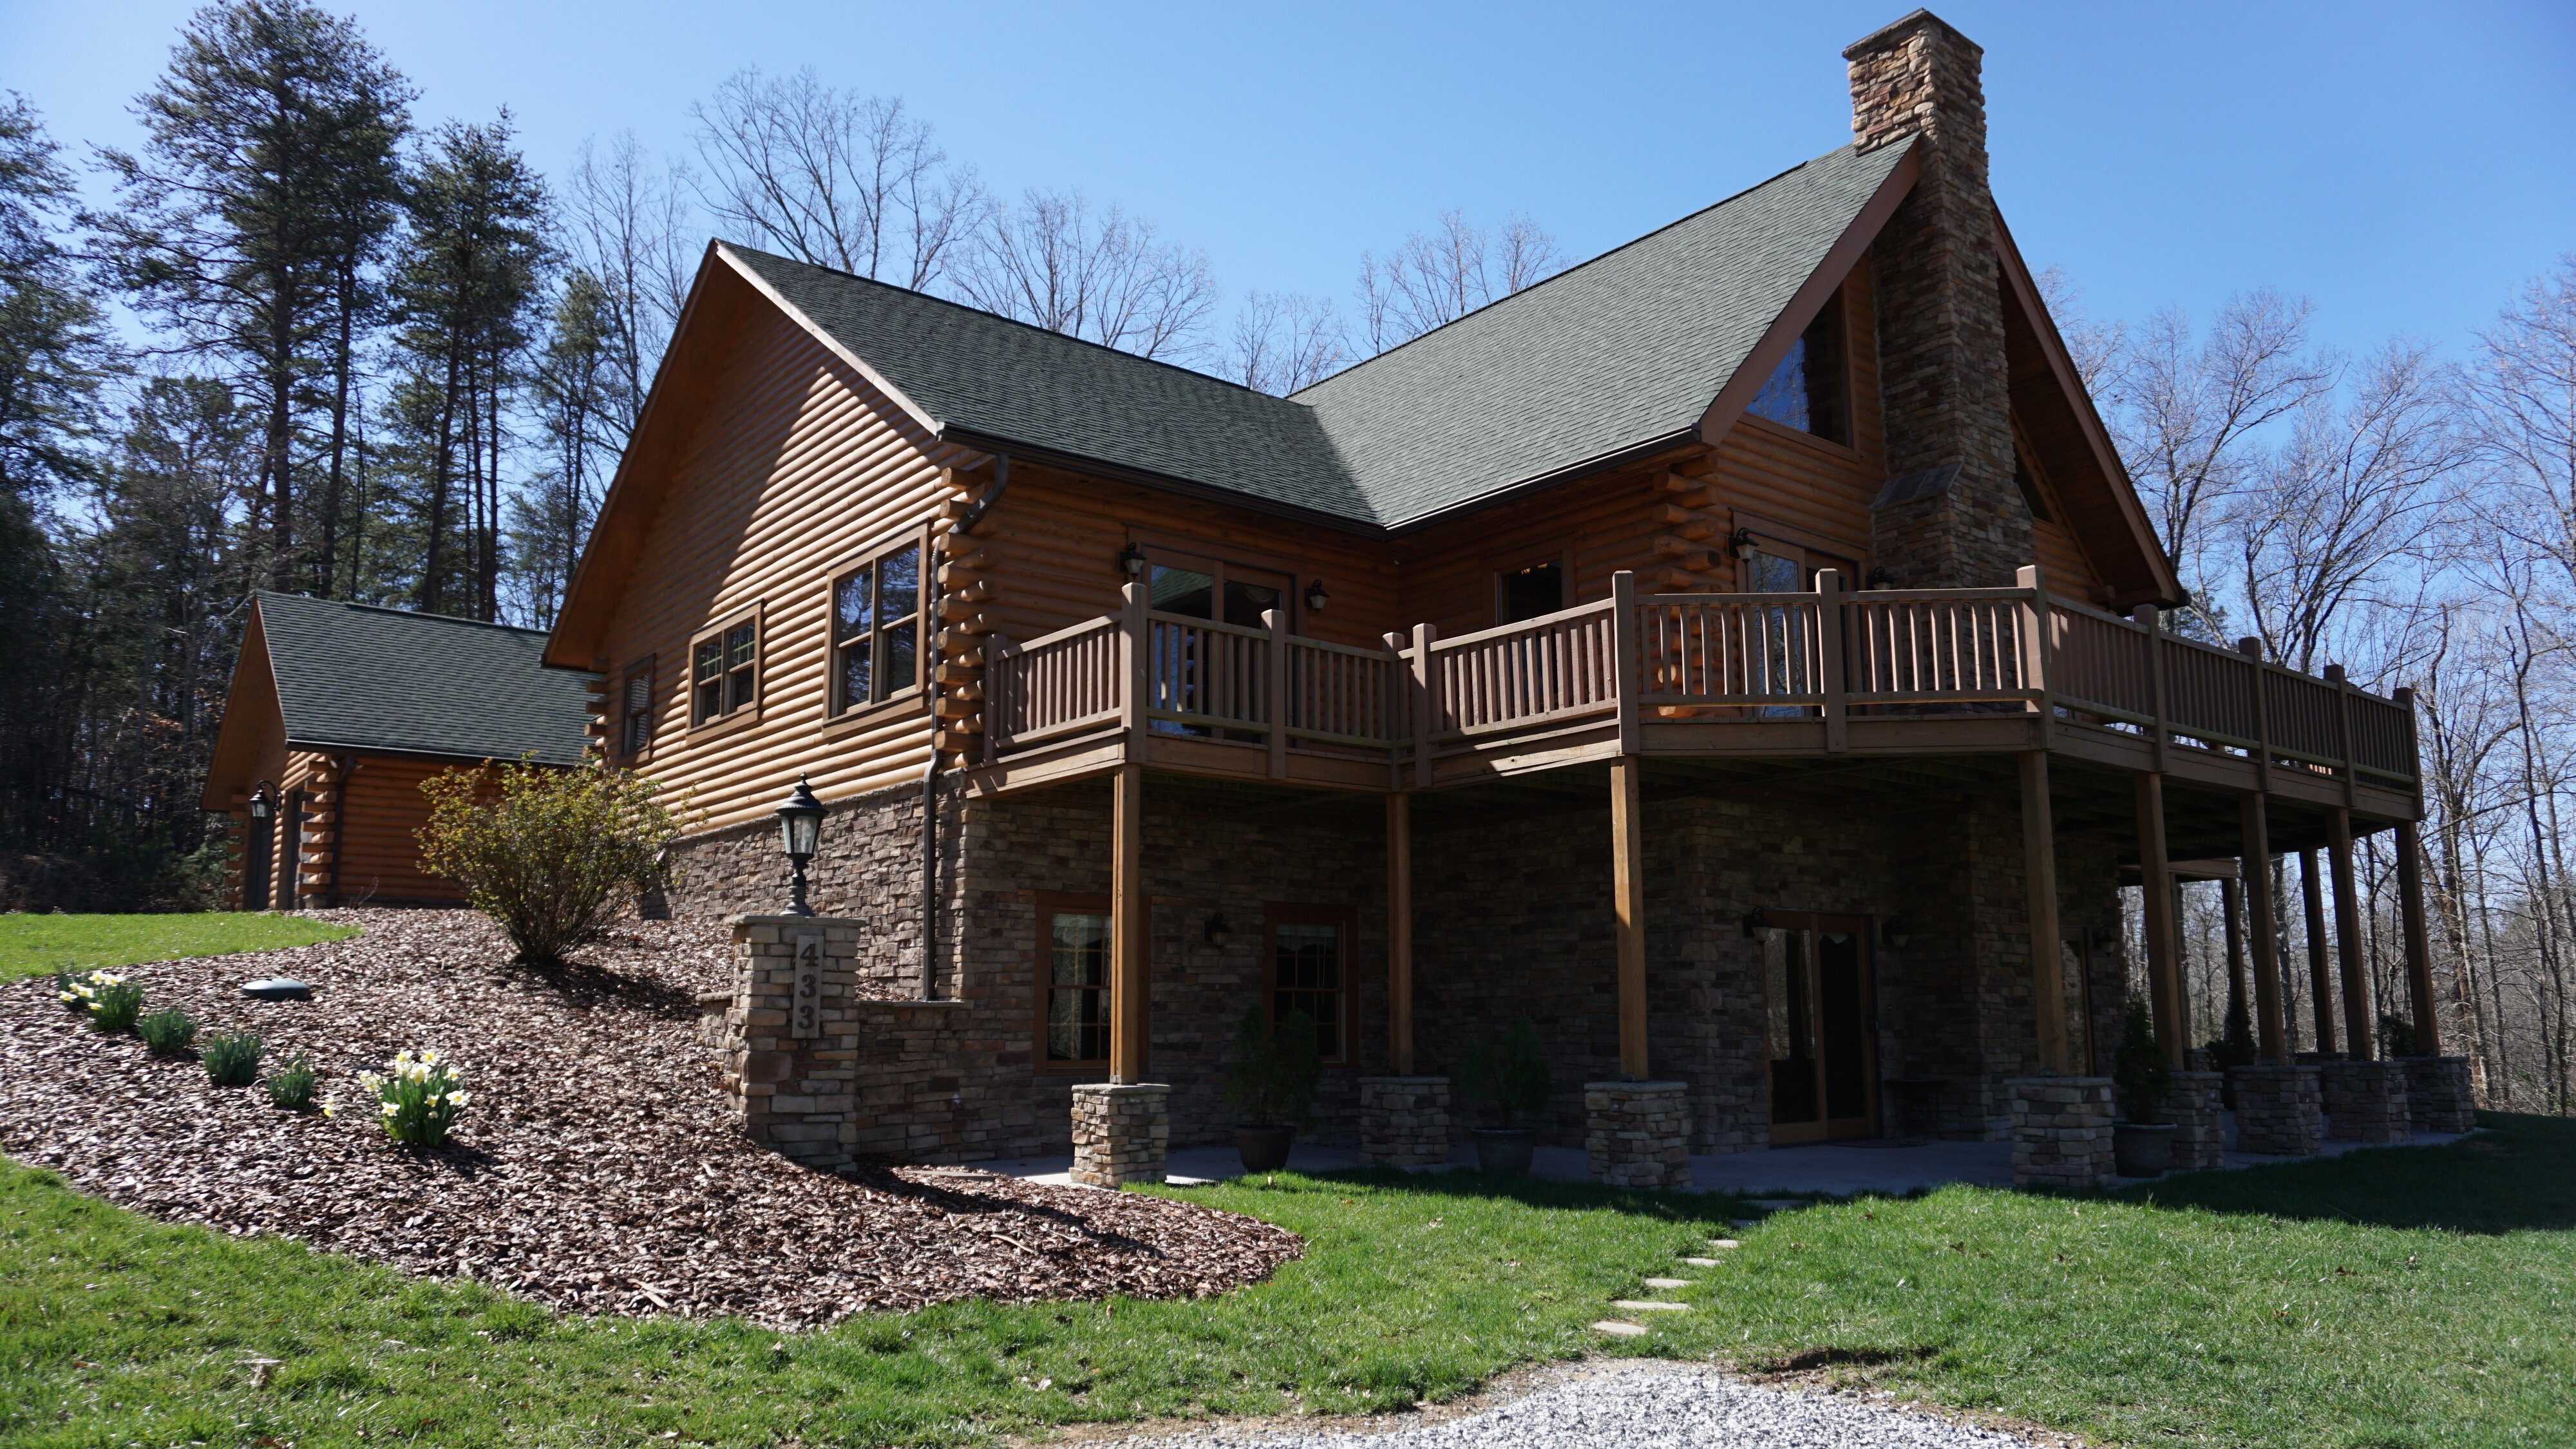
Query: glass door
{"type": "Point", "coordinates": [1821, 1002]}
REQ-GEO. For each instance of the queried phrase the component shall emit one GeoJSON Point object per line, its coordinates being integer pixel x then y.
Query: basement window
{"type": "Point", "coordinates": [1808, 390]}
{"type": "Point", "coordinates": [1310, 972]}
{"type": "Point", "coordinates": [1073, 1009]}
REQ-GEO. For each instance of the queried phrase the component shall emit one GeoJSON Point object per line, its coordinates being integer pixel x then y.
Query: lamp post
{"type": "Point", "coordinates": [800, 829]}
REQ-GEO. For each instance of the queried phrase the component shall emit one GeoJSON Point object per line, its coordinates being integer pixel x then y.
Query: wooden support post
{"type": "Point", "coordinates": [2343, 733]}
{"type": "Point", "coordinates": [2419, 946]}
{"type": "Point", "coordinates": [1628, 903]}
{"type": "Point", "coordinates": [1399, 934]}
{"type": "Point", "coordinates": [2271, 1026]}
{"type": "Point", "coordinates": [1137, 699]}
{"type": "Point", "coordinates": [2144, 616]}
{"type": "Point", "coordinates": [2347, 908]}
{"type": "Point", "coordinates": [1127, 940]}
{"type": "Point", "coordinates": [2229, 892]}
{"type": "Point", "coordinates": [2039, 884]}
{"type": "Point", "coordinates": [1624, 682]}
{"type": "Point", "coordinates": [1829, 651]}
{"type": "Point", "coordinates": [2156, 897]}
{"type": "Point", "coordinates": [1274, 688]}
{"type": "Point", "coordinates": [2312, 889]}
{"type": "Point", "coordinates": [2038, 646]}
{"type": "Point", "coordinates": [1426, 704]}
{"type": "Point", "coordinates": [2252, 648]}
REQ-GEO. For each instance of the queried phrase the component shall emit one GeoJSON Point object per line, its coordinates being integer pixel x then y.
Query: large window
{"type": "Point", "coordinates": [724, 671]}
{"type": "Point", "coordinates": [876, 629]}
{"type": "Point", "coordinates": [1073, 982]}
{"type": "Point", "coordinates": [1310, 971]}
{"type": "Point", "coordinates": [1807, 390]}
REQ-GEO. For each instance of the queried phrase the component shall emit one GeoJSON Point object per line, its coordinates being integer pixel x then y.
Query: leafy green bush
{"type": "Point", "coordinates": [419, 1101]}
{"type": "Point", "coordinates": [291, 1086]}
{"type": "Point", "coordinates": [1516, 1081]}
{"type": "Point", "coordinates": [2139, 1071]}
{"type": "Point", "coordinates": [111, 1001]}
{"type": "Point", "coordinates": [1272, 1080]}
{"type": "Point", "coordinates": [168, 1031]}
{"type": "Point", "coordinates": [232, 1058]}
{"type": "Point", "coordinates": [552, 853]}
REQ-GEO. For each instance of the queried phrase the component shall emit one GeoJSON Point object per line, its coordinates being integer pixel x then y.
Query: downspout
{"type": "Point", "coordinates": [340, 822]}
{"type": "Point", "coordinates": [964, 525]}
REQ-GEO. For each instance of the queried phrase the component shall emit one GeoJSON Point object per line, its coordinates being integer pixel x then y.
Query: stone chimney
{"type": "Point", "coordinates": [1951, 515]}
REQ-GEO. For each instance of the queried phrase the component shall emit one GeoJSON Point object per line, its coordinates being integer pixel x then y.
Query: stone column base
{"type": "Point", "coordinates": [1121, 1132]}
{"type": "Point", "coordinates": [2061, 1131]}
{"type": "Point", "coordinates": [1404, 1121]}
{"type": "Point", "coordinates": [2280, 1110]}
{"type": "Point", "coordinates": [1637, 1134]}
{"type": "Point", "coordinates": [2364, 1101]}
{"type": "Point", "coordinates": [2438, 1094]}
{"type": "Point", "coordinates": [789, 1035]}
{"type": "Point", "coordinates": [2200, 1122]}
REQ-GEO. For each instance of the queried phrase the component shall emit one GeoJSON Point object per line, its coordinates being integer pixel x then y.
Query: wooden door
{"type": "Point", "coordinates": [1820, 998]}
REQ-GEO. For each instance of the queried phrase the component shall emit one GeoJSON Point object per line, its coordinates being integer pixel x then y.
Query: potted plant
{"type": "Point", "coordinates": [2141, 1138]}
{"type": "Point", "coordinates": [1272, 1083]}
{"type": "Point", "coordinates": [1516, 1083]}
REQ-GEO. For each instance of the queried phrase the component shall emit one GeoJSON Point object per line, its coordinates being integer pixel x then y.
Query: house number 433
{"type": "Point", "coordinates": [805, 1005]}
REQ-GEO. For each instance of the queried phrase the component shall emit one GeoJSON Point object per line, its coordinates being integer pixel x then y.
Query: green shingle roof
{"type": "Point", "coordinates": [1626, 349]}
{"type": "Point", "coordinates": [355, 676]}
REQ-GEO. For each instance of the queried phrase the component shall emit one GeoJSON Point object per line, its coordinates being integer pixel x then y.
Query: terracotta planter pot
{"type": "Point", "coordinates": [1264, 1149]}
{"type": "Point", "coordinates": [2142, 1149]}
{"type": "Point", "coordinates": [1504, 1151]}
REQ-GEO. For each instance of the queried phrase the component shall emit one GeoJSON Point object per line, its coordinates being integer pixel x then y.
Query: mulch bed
{"type": "Point", "coordinates": [597, 1168]}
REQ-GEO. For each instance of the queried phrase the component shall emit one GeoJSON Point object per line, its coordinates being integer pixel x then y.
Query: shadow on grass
{"type": "Point", "coordinates": [2518, 1175]}
{"type": "Point", "coordinates": [1713, 1209]}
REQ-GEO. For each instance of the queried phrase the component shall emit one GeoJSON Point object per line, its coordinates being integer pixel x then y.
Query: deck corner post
{"type": "Point", "coordinates": [1426, 704]}
{"type": "Point", "coordinates": [1829, 641]}
{"type": "Point", "coordinates": [2271, 1029]}
{"type": "Point", "coordinates": [2312, 899]}
{"type": "Point", "coordinates": [1275, 689]}
{"type": "Point", "coordinates": [1628, 904]}
{"type": "Point", "coordinates": [2039, 885]}
{"type": "Point", "coordinates": [2039, 644]}
{"type": "Point", "coordinates": [997, 701]}
{"type": "Point", "coordinates": [2252, 648]}
{"type": "Point", "coordinates": [1625, 684]}
{"type": "Point", "coordinates": [2156, 897]}
{"type": "Point", "coordinates": [1128, 942]}
{"type": "Point", "coordinates": [2336, 676]}
{"type": "Point", "coordinates": [2146, 617]}
{"type": "Point", "coordinates": [1399, 933]}
{"type": "Point", "coordinates": [2347, 909]}
{"type": "Point", "coordinates": [1135, 703]}
{"type": "Point", "coordinates": [2419, 946]}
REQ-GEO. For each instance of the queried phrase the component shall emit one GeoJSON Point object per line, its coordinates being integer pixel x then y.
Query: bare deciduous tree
{"type": "Point", "coordinates": [1283, 342]}
{"type": "Point", "coordinates": [1439, 276]}
{"type": "Point", "coordinates": [1103, 276]}
{"type": "Point", "coordinates": [626, 228]}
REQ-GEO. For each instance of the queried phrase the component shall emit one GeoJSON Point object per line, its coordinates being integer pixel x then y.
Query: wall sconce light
{"type": "Point", "coordinates": [1131, 560]}
{"type": "Point", "coordinates": [1755, 923]}
{"type": "Point", "coordinates": [1217, 931]}
{"type": "Point", "coordinates": [1740, 543]}
{"type": "Point", "coordinates": [1316, 598]}
{"type": "Point", "coordinates": [1897, 931]}
{"type": "Point", "coordinates": [1879, 578]}
{"type": "Point", "coordinates": [259, 803]}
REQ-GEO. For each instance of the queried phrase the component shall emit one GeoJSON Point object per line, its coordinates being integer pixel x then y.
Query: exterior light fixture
{"type": "Point", "coordinates": [1131, 560]}
{"type": "Point", "coordinates": [1316, 598]}
{"type": "Point", "coordinates": [1755, 923]}
{"type": "Point", "coordinates": [1218, 930]}
{"type": "Point", "coordinates": [800, 829]}
{"type": "Point", "coordinates": [1879, 578]}
{"type": "Point", "coordinates": [1740, 543]}
{"type": "Point", "coordinates": [1898, 931]}
{"type": "Point", "coordinates": [259, 803]}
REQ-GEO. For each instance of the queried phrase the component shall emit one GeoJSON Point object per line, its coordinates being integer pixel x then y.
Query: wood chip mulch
{"type": "Point", "coordinates": [596, 1169]}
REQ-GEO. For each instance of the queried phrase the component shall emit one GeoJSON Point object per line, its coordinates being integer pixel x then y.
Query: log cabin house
{"type": "Point", "coordinates": [1738, 654]}
{"type": "Point", "coordinates": [338, 712]}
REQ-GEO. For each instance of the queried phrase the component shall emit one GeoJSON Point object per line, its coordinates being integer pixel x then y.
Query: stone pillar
{"type": "Point", "coordinates": [2061, 1131]}
{"type": "Point", "coordinates": [1637, 1134]}
{"type": "Point", "coordinates": [2439, 1098]}
{"type": "Point", "coordinates": [1121, 1131]}
{"type": "Point", "coordinates": [2200, 1123]}
{"type": "Point", "coordinates": [2364, 1101]}
{"type": "Point", "coordinates": [790, 1039]}
{"type": "Point", "coordinates": [1404, 1121]}
{"type": "Point", "coordinates": [2280, 1110]}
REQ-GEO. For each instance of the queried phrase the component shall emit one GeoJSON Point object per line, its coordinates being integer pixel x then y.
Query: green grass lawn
{"type": "Point", "coordinates": [2383, 1299]}
{"type": "Point", "coordinates": [32, 945]}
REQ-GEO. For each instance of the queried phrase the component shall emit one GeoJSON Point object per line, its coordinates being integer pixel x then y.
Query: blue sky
{"type": "Point", "coordinates": [2406, 167]}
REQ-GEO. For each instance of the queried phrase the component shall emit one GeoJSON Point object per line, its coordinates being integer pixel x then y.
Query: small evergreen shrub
{"type": "Point", "coordinates": [2139, 1072]}
{"type": "Point", "coordinates": [291, 1086]}
{"type": "Point", "coordinates": [1275, 1070]}
{"type": "Point", "coordinates": [111, 1001]}
{"type": "Point", "coordinates": [419, 1100]}
{"type": "Point", "coordinates": [553, 854]}
{"type": "Point", "coordinates": [167, 1032]}
{"type": "Point", "coordinates": [232, 1058]}
{"type": "Point", "coordinates": [1516, 1081]}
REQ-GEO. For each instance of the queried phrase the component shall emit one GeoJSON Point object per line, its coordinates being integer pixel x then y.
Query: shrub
{"type": "Point", "coordinates": [232, 1058]}
{"type": "Point", "coordinates": [1272, 1081]}
{"type": "Point", "coordinates": [168, 1031]}
{"type": "Point", "coordinates": [291, 1086]}
{"type": "Point", "coordinates": [1515, 1081]}
{"type": "Point", "coordinates": [419, 1101]}
{"type": "Point", "coordinates": [2139, 1071]}
{"type": "Point", "coordinates": [551, 853]}
{"type": "Point", "coordinates": [111, 1001]}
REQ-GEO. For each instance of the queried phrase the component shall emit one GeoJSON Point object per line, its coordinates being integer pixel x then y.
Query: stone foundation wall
{"type": "Point", "coordinates": [2062, 1131]}
{"type": "Point", "coordinates": [2439, 1094]}
{"type": "Point", "coordinates": [1121, 1134]}
{"type": "Point", "coordinates": [1637, 1134]}
{"type": "Point", "coordinates": [2200, 1121]}
{"type": "Point", "coordinates": [2363, 1101]}
{"type": "Point", "coordinates": [2279, 1110]}
{"type": "Point", "coordinates": [1404, 1121]}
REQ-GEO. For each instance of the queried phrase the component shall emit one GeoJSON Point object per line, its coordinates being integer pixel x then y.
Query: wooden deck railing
{"type": "Point", "coordinates": [1909, 654]}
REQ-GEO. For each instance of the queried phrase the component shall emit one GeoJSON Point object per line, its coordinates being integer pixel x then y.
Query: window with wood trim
{"type": "Point", "coordinates": [724, 671]}
{"type": "Point", "coordinates": [635, 711]}
{"type": "Point", "coordinates": [1073, 981]}
{"type": "Point", "coordinates": [1530, 592]}
{"type": "Point", "coordinates": [876, 628]}
{"type": "Point", "coordinates": [1808, 390]}
{"type": "Point", "coordinates": [1310, 971]}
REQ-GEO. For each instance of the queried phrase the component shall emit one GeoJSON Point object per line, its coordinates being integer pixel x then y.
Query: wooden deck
{"type": "Point", "coordinates": [1888, 673]}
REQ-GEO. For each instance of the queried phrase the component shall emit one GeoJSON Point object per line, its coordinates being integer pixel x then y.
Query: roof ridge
{"type": "Point", "coordinates": [1635, 241]}
{"type": "Point", "coordinates": [422, 614]}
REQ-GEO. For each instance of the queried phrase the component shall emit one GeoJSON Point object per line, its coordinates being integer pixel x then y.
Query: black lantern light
{"type": "Point", "coordinates": [1898, 931]}
{"type": "Point", "coordinates": [1131, 561]}
{"type": "Point", "coordinates": [259, 803]}
{"type": "Point", "coordinates": [1218, 930]}
{"type": "Point", "coordinates": [1316, 598]}
{"type": "Point", "coordinates": [1741, 544]}
{"type": "Point", "coordinates": [800, 829]}
{"type": "Point", "coordinates": [1755, 923]}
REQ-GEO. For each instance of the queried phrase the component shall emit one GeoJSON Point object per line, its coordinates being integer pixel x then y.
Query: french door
{"type": "Point", "coordinates": [1821, 1002]}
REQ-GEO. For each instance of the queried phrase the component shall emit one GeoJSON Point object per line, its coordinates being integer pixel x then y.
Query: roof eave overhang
{"type": "Point", "coordinates": [362, 747]}
{"type": "Point", "coordinates": [1541, 482]}
{"type": "Point", "coordinates": [991, 443]}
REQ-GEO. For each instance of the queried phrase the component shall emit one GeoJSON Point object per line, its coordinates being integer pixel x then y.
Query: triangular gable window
{"type": "Point", "coordinates": [1807, 389]}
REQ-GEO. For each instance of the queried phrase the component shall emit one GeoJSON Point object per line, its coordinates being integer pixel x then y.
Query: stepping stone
{"type": "Point", "coordinates": [278, 988]}
{"type": "Point", "coordinates": [1647, 1305]}
{"type": "Point", "coordinates": [1701, 1262]}
{"type": "Point", "coordinates": [1617, 1329]}
{"type": "Point", "coordinates": [1724, 1243]}
{"type": "Point", "coordinates": [1668, 1282]}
